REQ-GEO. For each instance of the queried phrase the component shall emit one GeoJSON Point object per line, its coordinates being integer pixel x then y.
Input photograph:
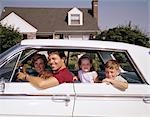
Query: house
{"type": "Point", "coordinates": [53, 23]}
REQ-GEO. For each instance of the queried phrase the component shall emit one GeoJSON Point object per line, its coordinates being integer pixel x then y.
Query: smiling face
{"type": "Point", "coordinates": [39, 65]}
{"type": "Point", "coordinates": [56, 62]}
{"type": "Point", "coordinates": [85, 65]}
{"type": "Point", "coordinates": [112, 69]}
{"type": "Point", "coordinates": [111, 73]}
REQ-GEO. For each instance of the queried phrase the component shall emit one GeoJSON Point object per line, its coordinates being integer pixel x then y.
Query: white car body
{"type": "Point", "coordinates": [79, 99]}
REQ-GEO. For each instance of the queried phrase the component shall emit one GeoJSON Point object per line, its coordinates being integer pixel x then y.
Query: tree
{"type": "Point", "coordinates": [8, 37]}
{"type": "Point", "coordinates": [125, 34]}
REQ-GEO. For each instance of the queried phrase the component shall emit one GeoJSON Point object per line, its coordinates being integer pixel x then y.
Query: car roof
{"type": "Point", "coordinates": [76, 43]}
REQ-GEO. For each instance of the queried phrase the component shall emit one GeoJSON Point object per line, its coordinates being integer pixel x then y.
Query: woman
{"type": "Point", "coordinates": [39, 62]}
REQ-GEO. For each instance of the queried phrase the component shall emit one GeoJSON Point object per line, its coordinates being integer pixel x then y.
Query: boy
{"type": "Point", "coordinates": [112, 75]}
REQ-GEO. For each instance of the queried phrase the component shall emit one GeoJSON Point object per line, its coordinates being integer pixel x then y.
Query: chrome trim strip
{"type": "Point", "coordinates": [32, 96]}
{"type": "Point", "coordinates": [115, 96]}
{"type": "Point", "coordinates": [78, 95]}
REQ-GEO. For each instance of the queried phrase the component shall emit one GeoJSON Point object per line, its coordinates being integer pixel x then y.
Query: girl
{"type": "Point", "coordinates": [86, 74]}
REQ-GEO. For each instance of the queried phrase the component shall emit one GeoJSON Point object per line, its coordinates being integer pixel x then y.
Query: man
{"type": "Point", "coordinates": [56, 59]}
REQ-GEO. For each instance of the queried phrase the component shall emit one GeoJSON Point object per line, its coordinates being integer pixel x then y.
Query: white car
{"type": "Point", "coordinates": [21, 99]}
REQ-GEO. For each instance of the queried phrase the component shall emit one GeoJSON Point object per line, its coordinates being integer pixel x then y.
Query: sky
{"type": "Point", "coordinates": [112, 13]}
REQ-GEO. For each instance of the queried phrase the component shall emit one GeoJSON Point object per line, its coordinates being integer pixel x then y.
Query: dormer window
{"type": "Point", "coordinates": [75, 17]}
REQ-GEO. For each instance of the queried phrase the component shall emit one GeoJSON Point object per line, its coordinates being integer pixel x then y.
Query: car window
{"type": "Point", "coordinates": [99, 57]}
{"type": "Point", "coordinates": [128, 69]}
{"type": "Point", "coordinates": [25, 62]}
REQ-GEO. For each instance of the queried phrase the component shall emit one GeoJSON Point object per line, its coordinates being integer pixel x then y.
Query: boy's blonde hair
{"type": "Point", "coordinates": [112, 64]}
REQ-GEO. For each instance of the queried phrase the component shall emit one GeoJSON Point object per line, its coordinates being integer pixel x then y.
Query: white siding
{"type": "Point", "coordinates": [18, 23]}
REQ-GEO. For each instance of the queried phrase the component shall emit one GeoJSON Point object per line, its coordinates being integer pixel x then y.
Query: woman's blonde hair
{"type": "Point", "coordinates": [39, 56]}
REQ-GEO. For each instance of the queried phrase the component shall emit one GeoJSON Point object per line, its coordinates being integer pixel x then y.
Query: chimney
{"type": "Point", "coordinates": [95, 9]}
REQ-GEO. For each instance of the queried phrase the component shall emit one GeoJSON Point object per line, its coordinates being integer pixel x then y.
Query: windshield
{"type": "Point", "coordinates": [9, 50]}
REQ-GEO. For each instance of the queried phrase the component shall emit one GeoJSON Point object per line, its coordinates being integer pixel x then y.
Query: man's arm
{"type": "Point", "coordinates": [38, 81]}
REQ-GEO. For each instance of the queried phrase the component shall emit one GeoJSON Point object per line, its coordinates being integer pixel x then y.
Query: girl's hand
{"type": "Point", "coordinates": [75, 78]}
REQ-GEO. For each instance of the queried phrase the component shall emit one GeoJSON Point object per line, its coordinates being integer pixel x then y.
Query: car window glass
{"type": "Point", "coordinates": [128, 69]}
{"type": "Point", "coordinates": [7, 69]}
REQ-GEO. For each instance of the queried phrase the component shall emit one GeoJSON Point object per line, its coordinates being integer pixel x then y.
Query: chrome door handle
{"type": "Point", "coordinates": [65, 99]}
{"type": "Point", "coordinates": [146, 100]}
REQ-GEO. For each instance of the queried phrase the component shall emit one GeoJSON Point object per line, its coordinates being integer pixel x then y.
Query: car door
{"type": "Point", "coordinates": [100, 99]}
{"type": "Point", "coordinates": [97, 100]}
{"type": "Point", "coordinates": [22, 99]}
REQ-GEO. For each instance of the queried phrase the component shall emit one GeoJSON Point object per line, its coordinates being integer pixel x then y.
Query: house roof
{"type": "Point", "coordinates": [53, 19]}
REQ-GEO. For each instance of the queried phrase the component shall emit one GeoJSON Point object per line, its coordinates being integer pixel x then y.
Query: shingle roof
{"type": "Point", "coordinates": [52, 19]}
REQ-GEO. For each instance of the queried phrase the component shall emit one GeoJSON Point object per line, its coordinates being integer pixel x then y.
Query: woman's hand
{"type": "Point", "coordinates": [21, 76]}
